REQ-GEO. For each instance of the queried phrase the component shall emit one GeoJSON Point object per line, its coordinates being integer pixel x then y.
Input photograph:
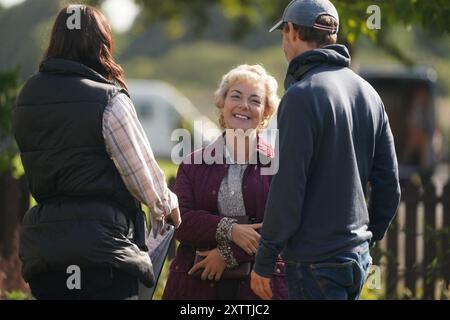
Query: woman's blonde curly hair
{"type": "Point", "coordinates": [254, 73]}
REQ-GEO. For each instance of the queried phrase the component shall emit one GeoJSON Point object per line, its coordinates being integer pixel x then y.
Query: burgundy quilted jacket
{"type": "Point", "coordinates": [197, 186]}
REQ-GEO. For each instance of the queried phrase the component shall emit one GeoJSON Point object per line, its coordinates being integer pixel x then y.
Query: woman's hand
{"type": "Point", "coordinates": [246, 237]}
{"type": "Point", "coordinates": [214, 265]}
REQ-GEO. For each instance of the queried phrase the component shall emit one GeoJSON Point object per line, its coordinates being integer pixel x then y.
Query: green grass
{"type": "Point", "coordinates": [17, 295]}
{"type": "Point", "coordinates": [371, 294]}
{"type": "Point", "coordinates": [162, 281]}
{"type": "Point", "coordinates": [170, 170]}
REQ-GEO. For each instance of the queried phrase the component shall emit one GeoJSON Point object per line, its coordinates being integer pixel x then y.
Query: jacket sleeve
{"type": "Point", "coordinates": [129, 148]}
{"type": "Point", "coordinates": [198, 227]}
{"type": "Point", "coordinates": [385, 188]}
{"type": "Point", "coordinates": [298, 126]}
{"type": "Point", "coordinates": [240, 255]}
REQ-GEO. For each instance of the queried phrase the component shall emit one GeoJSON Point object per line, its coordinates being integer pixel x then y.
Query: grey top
{"type": "Point", "coordinates": [230, 202]}
{"type": "Point", "coordinates": [230, 198]}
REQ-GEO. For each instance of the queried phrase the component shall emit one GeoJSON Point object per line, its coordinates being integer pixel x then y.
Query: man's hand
{"type": "Point", "coordinates": [261, 286]}
{"type": "Point", "coordinates": [214, 265]}
{"type": "Point", "coordinates": [175, 217]}
{"type": "Point", "coordinates": [246, 237]}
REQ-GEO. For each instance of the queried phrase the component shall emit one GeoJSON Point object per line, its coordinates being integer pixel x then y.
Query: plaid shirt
{"type": "Point", "coordinates": [127, 145]}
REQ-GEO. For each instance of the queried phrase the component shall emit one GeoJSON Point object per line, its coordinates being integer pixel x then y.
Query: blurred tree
{"type": "Point", "coordinates": [245, 15]}
{"type": "Point", "coordinates": [9, 83]}
{"type": "Point", "coordinates": [24, 30]}
{"type": "Point", "coordinates": [14, 196]}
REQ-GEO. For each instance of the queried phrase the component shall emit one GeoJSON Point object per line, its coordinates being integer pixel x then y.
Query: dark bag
{"type": "Point", "coordinates": [158, 250]}
{"type": "Point", "coordinates": [240, 272]}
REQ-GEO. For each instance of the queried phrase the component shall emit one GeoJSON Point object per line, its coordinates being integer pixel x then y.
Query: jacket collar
{"type": "Point", "coordinates": [65, 66]}
{"type": "Point", "coordinates": [264, 151]}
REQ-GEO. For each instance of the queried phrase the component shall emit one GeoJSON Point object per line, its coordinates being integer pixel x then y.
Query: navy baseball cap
{"type": "Point", "coordinates": [305, 13]}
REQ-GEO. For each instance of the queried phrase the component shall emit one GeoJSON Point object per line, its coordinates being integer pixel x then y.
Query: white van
{"type": "Point", "coordinates": [162, 109]}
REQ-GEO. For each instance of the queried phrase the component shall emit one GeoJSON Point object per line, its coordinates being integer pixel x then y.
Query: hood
{"type": "Point", "coordinates": [335, 54]}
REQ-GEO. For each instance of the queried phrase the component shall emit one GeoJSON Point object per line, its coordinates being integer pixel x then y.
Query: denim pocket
{"type": "Point", "coordinates": [334, 280]}
{"type": "Point", "coordinates": [365, 262]}
{"type": "Point", "coordinates": [294, 281]}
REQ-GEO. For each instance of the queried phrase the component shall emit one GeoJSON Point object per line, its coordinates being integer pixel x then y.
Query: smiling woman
{"type": "Point", "coordinates": [243, 108]}
{"type": "Point", "coordinates": [222, 205]}
{"type": "Point", "coordinates": [246, 93]}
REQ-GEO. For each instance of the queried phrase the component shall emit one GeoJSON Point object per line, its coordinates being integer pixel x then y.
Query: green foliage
{"type": "Point", "coordinates": [17, 295]}
{"type": "Point", "coordinates": [24, 31]}
{"type": "Point", "coordinates": [371, 294]}
{"type": "Point", "coordinates": [169, 168]}
{"type": "Point", "coordinates": [9, 85]}
{"type": "Point", "coordinates": [247, 14]}
{"type": "Point", "coordinates": [420, 48]}
{"type": "Point", "coordinates": [182, 65]}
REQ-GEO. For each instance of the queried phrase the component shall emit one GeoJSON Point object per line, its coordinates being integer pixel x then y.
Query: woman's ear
{"type": "Point", "coordinates": [265, 117]}
{"type": "Point", "coordinates": [221, 118]}
{"type": "Point", "coordinates": [266, 113]}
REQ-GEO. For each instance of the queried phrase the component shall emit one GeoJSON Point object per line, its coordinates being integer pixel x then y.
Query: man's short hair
{"type": "Point", "coordinates": [319, 38]}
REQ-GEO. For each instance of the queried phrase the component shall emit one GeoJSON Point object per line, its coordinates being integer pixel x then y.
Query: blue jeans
{"type": "Point", "coordinates": [339, 278]}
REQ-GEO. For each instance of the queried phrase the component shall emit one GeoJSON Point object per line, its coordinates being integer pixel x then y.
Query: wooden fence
{"type": "Point", "coordinates": [415, 253]}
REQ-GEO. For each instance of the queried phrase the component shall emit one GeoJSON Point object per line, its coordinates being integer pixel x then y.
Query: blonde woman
{"type": "Point", "coordinates": [214, 197]}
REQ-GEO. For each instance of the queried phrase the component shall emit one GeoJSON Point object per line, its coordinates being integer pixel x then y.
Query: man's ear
{"type": "Point", "coordinates": [292, 33]}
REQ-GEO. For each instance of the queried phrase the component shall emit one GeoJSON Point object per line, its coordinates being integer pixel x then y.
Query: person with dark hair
{"type": "Point", "coordinates": [335, 139]}
{"type": "Point", "coordinates": [88, 165]}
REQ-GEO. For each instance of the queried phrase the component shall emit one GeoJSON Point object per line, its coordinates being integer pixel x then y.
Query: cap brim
{"type": "Point", "coordinates": [277, 26]}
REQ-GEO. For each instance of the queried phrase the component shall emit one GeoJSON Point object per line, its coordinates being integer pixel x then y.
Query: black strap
{"type": "Point", "coordinates": [299, 73]}
{"type": "Point", "coordinates": [140, 234]}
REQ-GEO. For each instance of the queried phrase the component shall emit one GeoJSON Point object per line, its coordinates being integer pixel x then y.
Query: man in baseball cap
{"type": "Point", "coordinates": [305, 13]}
{"type": "Point", "coordinates": [334, 139]}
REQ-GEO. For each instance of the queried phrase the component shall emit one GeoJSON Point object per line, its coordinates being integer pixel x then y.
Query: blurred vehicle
{"type": "Point", "coordinates": [409, 99]}
{"type": "Point", "coordinates": [162, 109]}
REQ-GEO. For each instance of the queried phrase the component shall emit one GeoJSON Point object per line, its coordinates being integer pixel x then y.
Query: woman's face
{"type": "Point", "coordinates": [244, 105]}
